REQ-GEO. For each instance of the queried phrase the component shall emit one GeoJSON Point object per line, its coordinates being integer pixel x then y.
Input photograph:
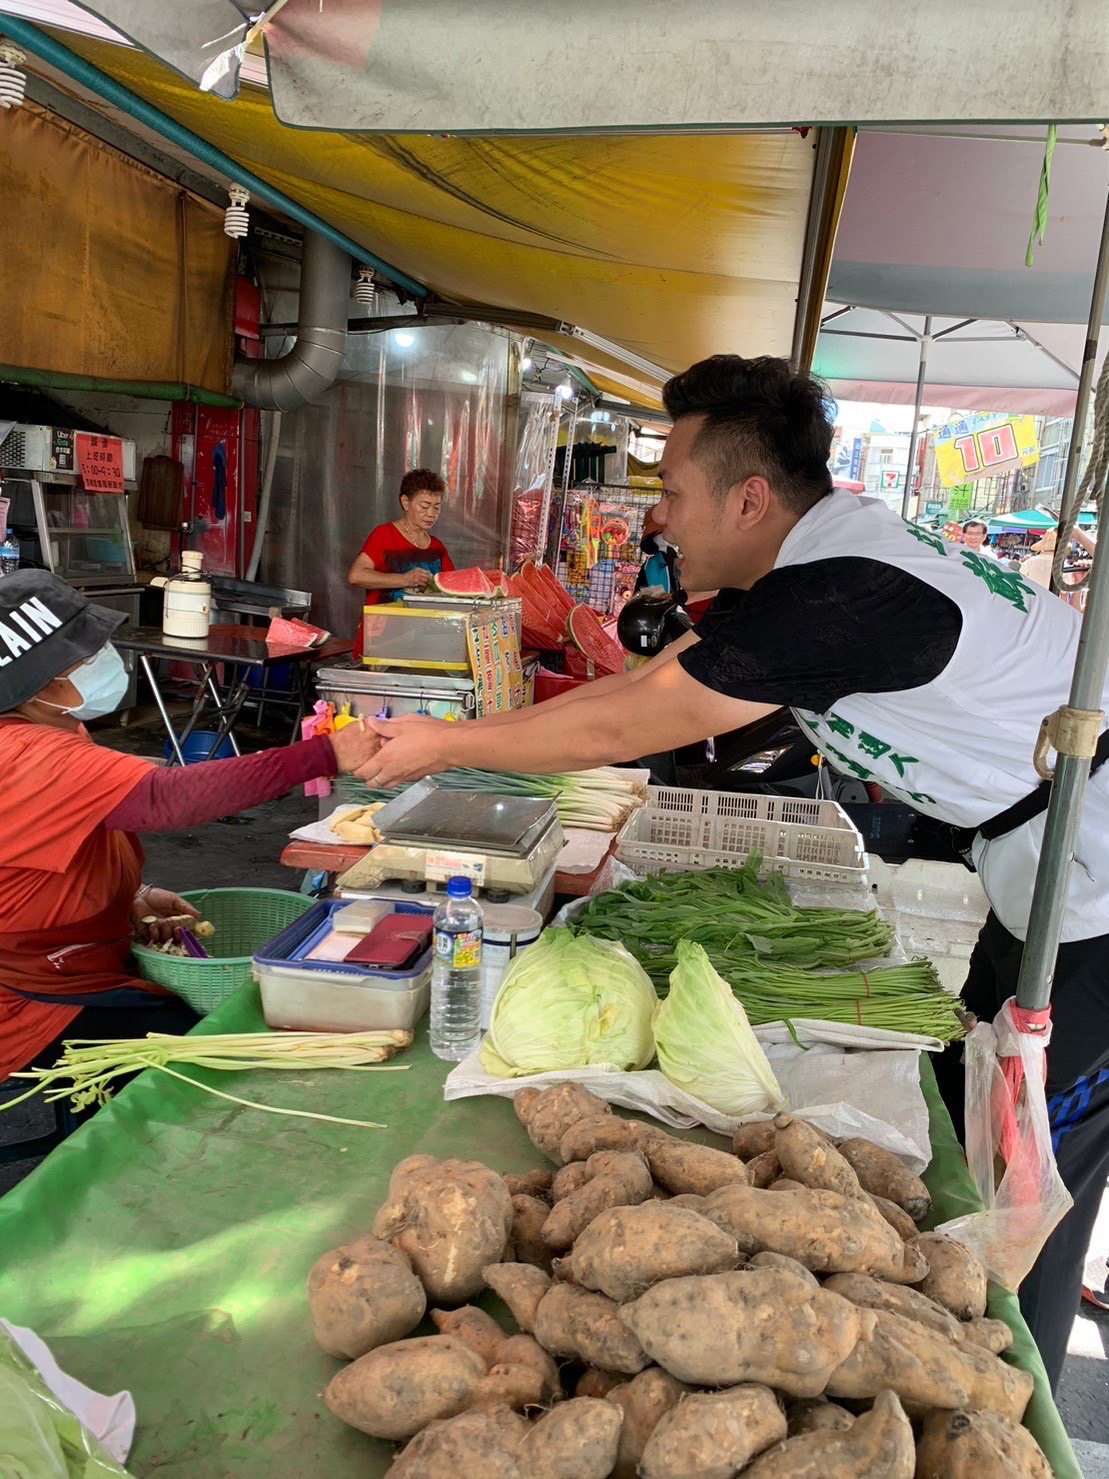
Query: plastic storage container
{"type": "Point", "coordinates": [810, 841]}
{"type": "Point", "coordinates": [330, 996]}
{"type": "Point", "coordinates": [398, 636]}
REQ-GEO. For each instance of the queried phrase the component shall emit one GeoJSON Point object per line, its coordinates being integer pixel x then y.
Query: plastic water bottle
{"type": "Point", "coordinates": [9, 554]}
{"type": "Point", "coordinates": [456, 974]}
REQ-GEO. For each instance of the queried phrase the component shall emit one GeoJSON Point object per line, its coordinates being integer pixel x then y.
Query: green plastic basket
{"type": "Point", "coordinates": [245, 918]}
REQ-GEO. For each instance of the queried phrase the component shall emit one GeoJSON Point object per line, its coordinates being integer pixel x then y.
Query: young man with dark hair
{"type": "Point", "coordinates": [898, 662]}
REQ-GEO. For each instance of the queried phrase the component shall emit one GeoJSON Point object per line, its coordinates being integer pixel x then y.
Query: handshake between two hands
{"type": "Point", "coordinates": [388, 752]}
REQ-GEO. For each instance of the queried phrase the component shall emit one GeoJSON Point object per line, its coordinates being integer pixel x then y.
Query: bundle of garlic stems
{"type": "Point", "coordinates": [600, 800]}
{"type": "Point", "coordinates": [87, 1067]}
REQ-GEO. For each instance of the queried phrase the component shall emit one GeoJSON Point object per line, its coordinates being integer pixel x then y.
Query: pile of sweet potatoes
{"type": "Point", "coordinates": [678, 1312]}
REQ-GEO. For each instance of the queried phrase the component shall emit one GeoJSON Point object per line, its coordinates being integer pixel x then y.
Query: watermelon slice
{"type": "Point", "coordinates": [543, 628]}
{"type": "Point", "coordinates": [542, 578]}
{"type": "Point", "coordinates": [295, 634]}
{"type": "Point", "coordinates": [470, 582]}
{"type": "Point", "coordinates": [591, 639]}
{"type": "Point", "coordinates": [499, 582]}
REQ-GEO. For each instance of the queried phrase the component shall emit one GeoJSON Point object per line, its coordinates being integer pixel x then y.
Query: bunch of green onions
{"type": "Point", "coordinates": [88, 1067]}
{"type": "Point", "coordinates": [600, 800]}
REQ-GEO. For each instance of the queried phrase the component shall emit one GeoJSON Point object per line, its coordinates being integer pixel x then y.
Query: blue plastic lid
{"type": "Point", "coordinates": [459, 888]}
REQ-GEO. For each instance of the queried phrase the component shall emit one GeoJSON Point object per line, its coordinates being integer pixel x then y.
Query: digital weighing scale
{"type": "Point", "coordinates": [503, 844]}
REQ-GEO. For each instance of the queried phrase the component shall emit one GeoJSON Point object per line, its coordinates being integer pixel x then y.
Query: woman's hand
{"type": "Point", "coordinates": [411, 748]}
{"type": "Point", "coordinates": [354, 745]}
{"type": "Point", "coordinates": [157, 915]}
{"type": "Point", "coordinates": [414, 580]}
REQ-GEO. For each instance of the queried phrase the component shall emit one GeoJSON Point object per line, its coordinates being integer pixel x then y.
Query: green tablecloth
{"type": "Point", "coordinates": [164, 1248]}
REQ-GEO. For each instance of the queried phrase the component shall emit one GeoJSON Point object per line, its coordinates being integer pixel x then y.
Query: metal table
{"type": "Point", "coordinates": [244, 650]}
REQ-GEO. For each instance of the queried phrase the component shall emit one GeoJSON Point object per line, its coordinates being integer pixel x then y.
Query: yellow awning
{"type": "Point", "coordinates": [674, 246]}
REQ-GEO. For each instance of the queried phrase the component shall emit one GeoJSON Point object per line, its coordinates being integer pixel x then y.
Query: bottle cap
{"type": "Point", "coordinates": [459, 888]}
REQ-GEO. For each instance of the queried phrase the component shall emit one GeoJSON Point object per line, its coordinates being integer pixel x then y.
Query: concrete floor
{"type": "Point", "coordinates": [226, 854]}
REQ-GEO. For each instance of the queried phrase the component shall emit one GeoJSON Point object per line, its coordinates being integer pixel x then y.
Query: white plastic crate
{"type": "Point", "coordinates": [814, 841]}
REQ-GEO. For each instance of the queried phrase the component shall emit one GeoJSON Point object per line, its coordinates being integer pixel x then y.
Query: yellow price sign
{"type": "Point", "coordinates": [983, 446]}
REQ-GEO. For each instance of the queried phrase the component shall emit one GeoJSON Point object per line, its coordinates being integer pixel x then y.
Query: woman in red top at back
{"type": "Point", "coordinates": [404, 555]}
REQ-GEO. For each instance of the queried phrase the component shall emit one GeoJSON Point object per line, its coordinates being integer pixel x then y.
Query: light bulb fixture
{"type": "Point", "coordinates": [13, 81]}
{"type": "Point", "coordinates": [526, 363]}
{"type": "Point", "coordinates": [236, 218]}
{"type": "Point", "coordinates": [565, 390]}
{"type": "Point", "coordinates": [404, 339]}
{"type": "Point", "coordinates": [365, 287]}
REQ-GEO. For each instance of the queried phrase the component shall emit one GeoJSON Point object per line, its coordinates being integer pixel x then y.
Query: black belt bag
{"type": "Point", "coordinates": [1032, 805]}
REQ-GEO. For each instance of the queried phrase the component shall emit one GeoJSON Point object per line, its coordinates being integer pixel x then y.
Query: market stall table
{"type": "Point", "coordinates": [164, 1248]}
{"type": "Point", "coordinates": [245, 651]}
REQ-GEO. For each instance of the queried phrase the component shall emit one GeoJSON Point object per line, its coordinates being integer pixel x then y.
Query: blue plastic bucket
{"type": "Point", "coordinates": [198, 747]}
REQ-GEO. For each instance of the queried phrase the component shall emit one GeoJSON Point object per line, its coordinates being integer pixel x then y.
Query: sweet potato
{"type": "Point", "coordinates": [451, 1218]}
{"type": "Point", "coordinates": [617, 1178]}
{"type": "Point", "coordinates": [687, 1199]}
{"type": "Point", "coordinates": [568, 1179]}
{"type": "Point", "coordinates": [884, 1174]}
{"type": "Point", "coordinates": [753, 1139]}
{"type": "Point", "coordinates": [899, 1299]}
{"type": "Point", "coordinates": [810, 1159]}
{"type": "Point", "coordinates": [767, 1259]}
{"type": "Point", "coordinates": [902, 1224]}
{"type": "Point", "coordinates": [817, 1415]}
{"type": "Point", "coordinates": [549, 1114]}
{"type": "Point", "coordinates": [877, 1445]}
{"type": "Point", "coordinates": [509, 1384]}
{"type": "Point", "coordinates": [826, 1232]}
{"type": "Point", "coordinates": [683, 1167]}
{"type": "Point", "coordinates": [578, 1323]}
{"type": "Point", "coordinates": [785, 1183]}
{"type": "Point", "coordinates": [763, 1170]}
{"type": "Point", "coordinates": [525, 1350]}
{"type": "Point", "coordinates": [711, 1435]}
{"type": "Point", "coordinates": [363, 1295]}
{"type": "Point", "coordinates": [395, 1390]}
{"type": "Point", "coordinates": [575, 1440]}
{"type": "Point", "coordinates": [977, 1445]}
{"type": "Point", "coordinates": [762, 1325]}
{"type": "Point", "coordinates": [955, 1278]}
{"type": "Point", "coordinates": [601, 1132]}
{"type": "Point", "coordinates": [627, 1249]}
{"type": "Point", "coordinates": [526, 1238]}
{"type": "Point", "coordinates": [531, 1184]}
{"type": "Point", "coordinates": [521, 1286]}
{"type": "Point", "coordinates": [644, 1401]}
{"type": "Point", "coordinates": [479, 1330]}
{"type": "Point", "coordinates": [594, 1382]}
{"type": "Point", "coordinates": [485, 1442]}
{"type": "Point", "coordinates": [926, 1370]}
{"type": "Point", "coordinates": [991, 1335]}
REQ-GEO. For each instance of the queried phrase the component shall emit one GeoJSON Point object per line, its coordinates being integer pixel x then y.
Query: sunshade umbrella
{"type": "Point", "coordinates": [1031, 518]}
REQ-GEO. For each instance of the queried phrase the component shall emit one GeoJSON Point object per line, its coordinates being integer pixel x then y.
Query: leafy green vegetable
{"type": "Point", "coordinates": [705, 1043]}
{"type": "Point", "coordinates": [569, 1002]}
{"type": "Point", "coordinates": [39, 1437]}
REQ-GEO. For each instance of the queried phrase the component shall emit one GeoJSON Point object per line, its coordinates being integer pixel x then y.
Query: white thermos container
{"type": "Point", "coordinates": [509, 929]}
{"type": "Point", "coordinates": [188, 599]}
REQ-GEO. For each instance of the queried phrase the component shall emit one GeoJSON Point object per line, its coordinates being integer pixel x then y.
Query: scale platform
{"type": "Point", "coordinates": [503, 844]}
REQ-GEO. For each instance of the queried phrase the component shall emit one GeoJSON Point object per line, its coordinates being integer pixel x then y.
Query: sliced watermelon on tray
{"type": "Point", "coordinates": [593, 642]}
{"type": "Point", "coordinates": [544, 628]}
{"type": "Point", "coordinates": [542, 578]}
{"type": "Point", "coordinates": [470, 582]}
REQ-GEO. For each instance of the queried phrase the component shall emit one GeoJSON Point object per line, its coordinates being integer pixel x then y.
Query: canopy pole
{"type": "Point", "coordinates": [1072, 772]}
{"type": "Point", "coordinates": [555, 544]}
{"type": "Point", "coordinates": [921, 376]}
{"type": "Point", "coordinates": [1068, 514]}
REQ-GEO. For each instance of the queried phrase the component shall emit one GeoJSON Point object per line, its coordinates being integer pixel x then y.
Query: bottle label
{"type": "Point", "coordinates": [462, 951]}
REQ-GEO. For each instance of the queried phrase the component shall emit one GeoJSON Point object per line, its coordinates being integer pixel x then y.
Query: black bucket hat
{"type": "Point", "coordinates": [45, 628]}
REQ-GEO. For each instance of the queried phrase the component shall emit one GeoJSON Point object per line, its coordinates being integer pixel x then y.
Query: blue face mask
{"type": "Point", "coordinates": [101, 681]}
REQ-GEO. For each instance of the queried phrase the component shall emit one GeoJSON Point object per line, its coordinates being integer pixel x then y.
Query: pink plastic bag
{"type": "Point", "coordinates": [320, 721]}
{"type": "Point", "coordinates": [1008, 1144]}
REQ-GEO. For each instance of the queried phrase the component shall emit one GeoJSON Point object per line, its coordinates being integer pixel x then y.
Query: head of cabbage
{"type": "Point", "coordinates": [568, 1002]}
{"type": "Point", "coordinates": [705, 1042]}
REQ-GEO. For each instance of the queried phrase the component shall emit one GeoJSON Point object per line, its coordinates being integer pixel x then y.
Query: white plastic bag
{"type": "Point", "coordinates": [1008, 1144]}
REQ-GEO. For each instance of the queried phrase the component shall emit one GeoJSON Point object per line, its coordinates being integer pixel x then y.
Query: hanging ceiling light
{"type": "Point", "coordinates": [236, 218]}
{"type": "Point", "coordinates": [13, 82]}
{"type": "Point", "coordinates": [365, 287]}
{"type": "Point", "coordinates": [565, 390]}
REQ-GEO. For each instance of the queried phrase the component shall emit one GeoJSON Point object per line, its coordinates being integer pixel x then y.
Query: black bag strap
{"type": "Point", "coordinates": [1036, 801]}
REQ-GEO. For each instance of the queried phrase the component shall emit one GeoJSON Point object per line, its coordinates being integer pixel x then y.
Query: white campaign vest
{"type": "Point", "coordinates": [960, 747]}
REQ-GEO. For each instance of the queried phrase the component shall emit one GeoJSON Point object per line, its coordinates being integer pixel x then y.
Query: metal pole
{"type": "Point", "coordinates": [1085, 384]}
{"type": "Point", "coordinates": [567, 466]}
{"type": "Point", "coordinates": [1068, 786]}
{"type": "Point", "coordinates": [922, 372]}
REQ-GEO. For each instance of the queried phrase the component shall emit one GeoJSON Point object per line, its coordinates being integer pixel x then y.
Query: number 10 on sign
{"type": "Point", "coordinates": [985, 449]}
